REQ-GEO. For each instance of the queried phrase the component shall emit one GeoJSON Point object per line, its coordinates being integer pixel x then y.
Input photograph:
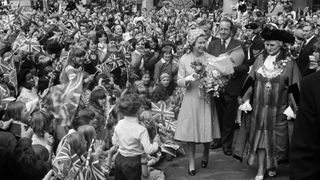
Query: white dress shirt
{"type": "Point", "coordinates": [132, 138]}
{"type": "Point", "coordinates": [227, 42]}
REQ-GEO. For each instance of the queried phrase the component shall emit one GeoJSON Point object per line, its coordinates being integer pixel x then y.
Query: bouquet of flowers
{"type": "Point", "coordinates": [212, 82]}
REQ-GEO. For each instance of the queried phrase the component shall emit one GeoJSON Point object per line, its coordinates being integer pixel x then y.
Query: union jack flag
{"type": "Point", "coordinates": [161, 111]}
{"type": "Point", "coordinates": [65, 99]}
{"type": "Point", "coordinates": [22, 16]}
{"type": "Point", "coordinates": [32, 45]}
{"type": "Point", "coordinates": [68, 165]}
{"type": "Point", "coordinates": [9, 71]}
{"type": "Point", "coordinates": [8, 21]}
{"type": "Point", "coordinates": [114, 61]}
{"type": "Point", "coordinates": [27, 44]}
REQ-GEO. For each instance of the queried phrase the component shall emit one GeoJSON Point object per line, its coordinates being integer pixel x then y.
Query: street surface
{"type": "Point", "coordinates": [220, 167]}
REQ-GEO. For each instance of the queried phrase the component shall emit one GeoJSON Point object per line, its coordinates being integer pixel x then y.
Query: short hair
{"type": "Point", "coordinates": [96, 95]}
{"type": "Point", "coordinates": [129, 104]}
{"type": "Point", "coordinates": [229, 21]}
{"type": "Point", "coordinates": [39, 123]}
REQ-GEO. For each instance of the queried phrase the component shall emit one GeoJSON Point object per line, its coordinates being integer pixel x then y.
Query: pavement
{"type": "Point", "coordinates": [220, 167]}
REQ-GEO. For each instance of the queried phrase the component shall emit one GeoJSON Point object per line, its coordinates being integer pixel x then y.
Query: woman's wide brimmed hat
{"type": "Point", "coordinates": [275, 34]}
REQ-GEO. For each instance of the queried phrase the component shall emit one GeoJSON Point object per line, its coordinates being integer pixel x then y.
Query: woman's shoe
{"type": "Point", "coordinates": [272, 172]}
{"type": "Point", "coordinates": [259, 178]}
{"type": "Point", "coordinates": [192, 172]}
{"type": "Point", "coordinates": [204, 164]}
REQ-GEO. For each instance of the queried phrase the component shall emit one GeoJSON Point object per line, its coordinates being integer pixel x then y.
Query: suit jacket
{"type": "Point", "coordinates": [305, 149]}
{"type": "Point", "coordinates": [213, 38]}
{"type": "Point", "coordinates": [240, 72]}
{"type": "Point", "coordinates": [303, 59]}
{"type": "Point", "coordinates": [256, 47]}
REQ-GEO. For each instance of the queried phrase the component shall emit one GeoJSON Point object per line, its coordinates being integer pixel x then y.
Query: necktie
{"type": "Point", "coordinates": [223, 46]}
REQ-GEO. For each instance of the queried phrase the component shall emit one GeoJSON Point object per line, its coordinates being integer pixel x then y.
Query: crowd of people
{"type": "Point", "coordinates": [104, 92]}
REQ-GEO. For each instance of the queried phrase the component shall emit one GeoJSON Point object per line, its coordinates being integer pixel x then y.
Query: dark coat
{"type": "Point", "coordinates": [303, 59]}
{"type": "Point", "coordinates": [305, 149]}
{"type": "Point", "coordinates": [213, 38]}
{"type": "Point", "coordinates": [240, 72]}
{"type": "Point", "coordinates": [256, 47]}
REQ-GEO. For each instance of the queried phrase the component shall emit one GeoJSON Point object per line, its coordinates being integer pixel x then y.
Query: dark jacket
{"type": "Point", "coordinates": [303, 59]}
{"type": "Point", "coordinates": [305, 149]}
{"type": "Point", "coordinates": [240, 72]}
{"type": "Point", "coordinates": [256, 48]}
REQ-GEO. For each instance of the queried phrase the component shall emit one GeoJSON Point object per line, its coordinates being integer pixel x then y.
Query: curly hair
{"type": "Point", "coordinates": [129, 104]}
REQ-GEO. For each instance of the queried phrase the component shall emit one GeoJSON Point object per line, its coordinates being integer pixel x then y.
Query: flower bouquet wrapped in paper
{"type": "Point", "coordinates": [225, 62]}
{"type": "Point", "coordinates": [212, 81]}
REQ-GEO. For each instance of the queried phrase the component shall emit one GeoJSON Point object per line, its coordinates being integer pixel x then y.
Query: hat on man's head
{"type": "Point", "coordinates": [251, 25]}
{"type": "Point", "coordinates": [276, 34]}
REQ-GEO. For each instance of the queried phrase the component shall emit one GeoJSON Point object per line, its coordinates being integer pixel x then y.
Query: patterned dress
{"type": "Point", "coordinates": [269, 126]}
{"type": "Point", "coordinates": [197, 119]}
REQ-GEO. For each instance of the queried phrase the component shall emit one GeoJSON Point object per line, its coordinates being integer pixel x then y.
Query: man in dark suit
{"type": "Point", "coordinates": [307, 49]}
{"type": "Point", "coordinates": [227, 104]}
{"type": "Point", "coordinates": [305, 148]}
{"type": "Point", "coordinates": [254, 42]}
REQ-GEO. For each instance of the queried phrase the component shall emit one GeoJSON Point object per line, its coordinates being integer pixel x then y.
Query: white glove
{"type": "Point", "coordinates": [190, 78]}
{"type": "Point", "coordinates": [245, 106]}
{"type": "Point", "coordinates": [289, 113]}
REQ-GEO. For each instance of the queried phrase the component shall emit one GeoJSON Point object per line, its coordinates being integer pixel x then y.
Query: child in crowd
{"type": "Point", "coordinates": [180, 51]}
{"type": "Point", "coordinates": [97, 104]}
{"type": "Point", "coordinates": [92, 58]}
{"type": "Point", "coordinates": [74, 68]}
{"type": "Point", "coordinates": [132, 138]}
{"type": "Point", "coordinates": [166, 64]}
{"type": "Point", "coordinates": [161, 92]}
{"type": "Point", "coordinates": [40, 126]}
{"type": "Point", "coordinates": [146, 79]}
{"type": "Point", "coordinates": [20, 124]}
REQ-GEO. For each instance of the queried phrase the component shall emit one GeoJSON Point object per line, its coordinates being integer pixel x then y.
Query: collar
{"type": "Point", "coordinates": [227, 41]}
{"type": "Point", "coordinates": [308, 40]}
{"type": "Point", "coordinates": [131, 119]}
{"type": "Point", "coordinates": [163, 61]}
{"type": "Point", "coordinates": [253, 37]}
